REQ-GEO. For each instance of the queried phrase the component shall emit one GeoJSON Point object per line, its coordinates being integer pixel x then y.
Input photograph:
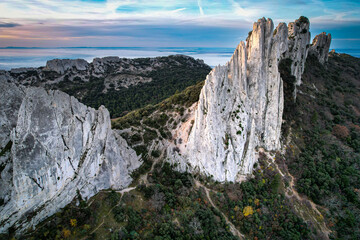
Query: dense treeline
{"type": "Point", "coordinates": [259, 208]}
{"type": "Point", "coordinates": [326, 155]}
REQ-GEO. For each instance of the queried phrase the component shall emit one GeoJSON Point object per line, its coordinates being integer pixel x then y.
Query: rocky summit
{"type": "Point", "coordinates": [320, 46]}
{"type": "Point", "coordinates": [241, 104]}
{"type": "Point", "coordinates": [53, 149]}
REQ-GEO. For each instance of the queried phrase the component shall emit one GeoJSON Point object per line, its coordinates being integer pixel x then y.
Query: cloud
{"type": "Point", "coordinates": [8, 25]}
{"type": "Point", "coordinates": [200, 8]}
{"type": "Point", "coordinates": [248, 12]}
{"type": "Point", "coordinates": [82, 22]}
{"type": "Point", "coordinates": [179, 10]}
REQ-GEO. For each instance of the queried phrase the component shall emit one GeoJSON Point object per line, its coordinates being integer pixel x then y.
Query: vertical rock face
{"type": "Point", "coordinates": [320, 47]}
{"type": "Point", "coordinates": [299, 39]}
{"type": "Point", "coordinates": [241, 104]}
{"type": "Point", "coordinates": [58, 146]}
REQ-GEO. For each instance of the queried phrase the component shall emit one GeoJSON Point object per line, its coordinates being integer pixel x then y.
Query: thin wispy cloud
{"type": "Point", "coordinates": [200, 8]}
{"type": "Point", "coordinates": [186, 22]}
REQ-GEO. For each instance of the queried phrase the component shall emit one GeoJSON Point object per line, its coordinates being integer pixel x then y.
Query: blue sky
{"type": "Point", "coordinates": [164, 23]}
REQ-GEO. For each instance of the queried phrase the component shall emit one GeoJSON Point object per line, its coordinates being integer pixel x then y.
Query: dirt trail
{"type": "Point", "coordinates": [292, 185]}
{"type": "Point", "coordinates": [123, 191]}
{"type": "Point", "coordinates": [144, 178]}
{"type": "Point", "coordinates": [233, 229]}
{"type": "Point", "coordinates": [295, 194]}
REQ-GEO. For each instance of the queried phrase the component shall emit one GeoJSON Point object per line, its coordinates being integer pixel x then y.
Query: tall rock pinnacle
{"type": "Point", "coordinates": [241, 104]}
{"type": "Point", "coordinates": [320, 47]}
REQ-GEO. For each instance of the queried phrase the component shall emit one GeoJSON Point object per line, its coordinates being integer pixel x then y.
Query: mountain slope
{"type": "Point", "coordinates": [298, 132]}
{"type": "Point", "coordinates": [241, 104]}
{"type": "Point", "coordinates": [324, 152]}
{"type": "Point", "coordinates": [170, 204]}
{"type": "Point", "coordinates": [120, 84]}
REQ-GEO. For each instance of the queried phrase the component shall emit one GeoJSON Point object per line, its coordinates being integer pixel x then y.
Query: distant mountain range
{"type": "Point", "coordinates": [13, 57]}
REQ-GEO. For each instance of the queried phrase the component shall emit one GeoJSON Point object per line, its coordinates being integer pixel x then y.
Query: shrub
{"type": "Point", "coordinates": [73, 222]}
{"type": "Point", "coordinates": [66, 233]}
{"type": "Point", "coordinates": [155, 153]}
{"type": "Point", "coordinates": [340, 131]}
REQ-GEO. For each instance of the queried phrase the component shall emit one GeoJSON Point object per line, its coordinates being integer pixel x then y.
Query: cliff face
{"type": "Point", "coordinates": [320, 47]}
{"type": "Point", "coordinates": [241, 104]}
{"type": "Point", "coordinates": [52, 147]}
{"type": "Point", "coordinates": [298, 46]}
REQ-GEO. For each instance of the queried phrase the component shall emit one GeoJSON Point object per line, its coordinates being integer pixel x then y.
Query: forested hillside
{"type": "Point", "coordinates": [324, 154]}
{"type": "Point", "coordinates": [309, 190]}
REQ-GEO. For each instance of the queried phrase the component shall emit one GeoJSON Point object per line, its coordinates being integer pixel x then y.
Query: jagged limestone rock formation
{"type": "Point", "coordinates": [298, 42]}
{"type": "Point", "coordinates": [320, 47]}
{"type": "Point", "coordinates": [58, 146]}
{"type": "Point", "coordinates": [241, 104]}
{"type": "Point", "coordinates": [62, 65]}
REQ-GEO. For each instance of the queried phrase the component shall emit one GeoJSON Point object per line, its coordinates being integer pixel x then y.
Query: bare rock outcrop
{"type": "Point", "coordinates": [241, 104]}
{"type": "Point", "coordinates": [298, 42]}
{"type": "Point", "coordinates": [62, 65]}
{"type": "Point", "coordinates": [320, 47]}
{"type": "Point", "coordinates": [52, 147]}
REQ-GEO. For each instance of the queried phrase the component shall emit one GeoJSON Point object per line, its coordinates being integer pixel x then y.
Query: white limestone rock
{"type": "Point", "coordinates": [320, 47]}
{"type": "Point", "coordinates": [62, 65]}
{"type": "Point", "coordinates": [299, 42]}
{"type": "Point", "coordinates": [241, 105]}
{"type": "Point", "coordinates": [101, 65]}
{"type": "Point", "coordinates": [59, 146]}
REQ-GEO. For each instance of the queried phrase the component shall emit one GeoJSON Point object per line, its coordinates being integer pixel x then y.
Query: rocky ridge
{"type": "Point", "coordinates": [52, 148]}
{"type": "Point", "coordinates": [241, 104]}
{"type": "Point", "coordinates": [120, 72]}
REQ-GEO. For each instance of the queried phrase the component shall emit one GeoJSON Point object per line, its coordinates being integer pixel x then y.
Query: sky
{"type": "Point", "coordinates": [165, 23]}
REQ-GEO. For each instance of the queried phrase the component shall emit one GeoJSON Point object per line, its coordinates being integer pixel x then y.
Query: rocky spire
{"type": "Point", "coordinates": [241, 104]}
{"type": "Point", "coordinates": [299, 39]}
{"type": "Point", "coordinates": [320, 47]}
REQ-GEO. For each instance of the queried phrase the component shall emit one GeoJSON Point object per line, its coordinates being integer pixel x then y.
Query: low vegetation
{"type": "Point", "coordinates": [169, 207]}
{"type": "Point", "coordinates": [259, 207]}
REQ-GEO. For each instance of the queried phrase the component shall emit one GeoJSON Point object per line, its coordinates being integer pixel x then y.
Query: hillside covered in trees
{"type": "Point", "coordinates": [309, 190]}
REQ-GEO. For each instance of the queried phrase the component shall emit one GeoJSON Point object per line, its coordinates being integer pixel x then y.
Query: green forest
{"type": "Point", "coordinates": [325, 154]}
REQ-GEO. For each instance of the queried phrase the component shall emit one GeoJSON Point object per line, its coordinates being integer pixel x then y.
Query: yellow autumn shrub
{"type": "Point", "coordinates": [73, 222]}
{"type": "Point", "coordinates": [248, 210]}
